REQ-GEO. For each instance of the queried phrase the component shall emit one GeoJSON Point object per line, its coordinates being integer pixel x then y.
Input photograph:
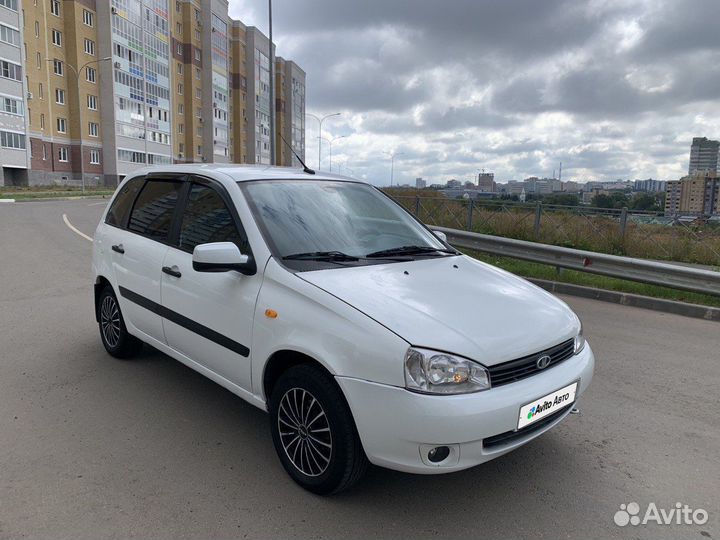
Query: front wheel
{"type": "Point", "coordinates": [113, 333]}
{"type": "Point", "coordinates": [314, 432]}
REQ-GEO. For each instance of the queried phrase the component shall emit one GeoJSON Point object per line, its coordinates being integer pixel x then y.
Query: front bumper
{"type": "Point", "coordinates": [398, 427]}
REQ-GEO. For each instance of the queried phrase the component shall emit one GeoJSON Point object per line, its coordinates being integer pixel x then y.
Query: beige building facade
{"type": "Point", "coordinates": [102, 88]}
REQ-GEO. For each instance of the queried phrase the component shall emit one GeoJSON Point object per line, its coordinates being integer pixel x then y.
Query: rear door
{"type": "Point", "coordinates": [138, 251]}
{"type": "Point", "coordinates": [208, 316]}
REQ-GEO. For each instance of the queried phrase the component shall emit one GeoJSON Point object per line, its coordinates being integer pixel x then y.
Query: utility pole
{"type": "Point", "coordinates": [272, 88]}
{"type": "Point", "coordinates": [392, 165]}
{"type": "Point", "coordinates": [320, 123]}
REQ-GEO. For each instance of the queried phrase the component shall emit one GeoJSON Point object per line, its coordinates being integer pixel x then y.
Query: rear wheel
{"type": "Point", "coordinates": [314, 432]}
{"type": "Point", "coordinates": [113, 333]}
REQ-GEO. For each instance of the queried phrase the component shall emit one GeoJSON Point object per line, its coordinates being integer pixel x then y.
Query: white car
{"type": "Point", "coordinates": [317, 298]}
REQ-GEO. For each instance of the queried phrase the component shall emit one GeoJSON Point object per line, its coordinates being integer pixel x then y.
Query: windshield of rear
{"type": "Point", "coordinates": [311, 216]}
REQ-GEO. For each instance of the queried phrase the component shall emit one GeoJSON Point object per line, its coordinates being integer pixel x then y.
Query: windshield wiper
{"type": "Point", "coordinates": [409, 250]}
{"type": "Point", "coordinates": [321, 256]}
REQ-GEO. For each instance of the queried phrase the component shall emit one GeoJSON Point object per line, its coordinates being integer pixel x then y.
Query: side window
{"type": "Point", "coordinates": [153, 210]}
{"type": "Point", "coordinates": [207, 219]}
{"type": "Point", "coordinates": [121, 205]}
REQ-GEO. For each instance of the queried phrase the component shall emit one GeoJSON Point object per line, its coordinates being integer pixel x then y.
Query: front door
{"type": "Point", "coordinates": [208, 316]}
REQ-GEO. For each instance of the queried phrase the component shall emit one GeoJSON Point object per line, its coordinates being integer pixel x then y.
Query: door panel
{"type": "Point", "coordinates": [138, 253]}
{"type": "Point", "coordinates": [208, 316]}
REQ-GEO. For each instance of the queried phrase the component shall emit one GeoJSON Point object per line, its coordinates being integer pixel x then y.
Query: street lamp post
{"type": "Point", "coordinates": [331, 141]}
{"type": "Point", "coordinates": [76, 72]}
{"type": "Point", "coordinates": [272, 88]}
{"type": "Point", "coordinates": [393, 155]}
{"type": "Point", "coordinates": [320, 123]}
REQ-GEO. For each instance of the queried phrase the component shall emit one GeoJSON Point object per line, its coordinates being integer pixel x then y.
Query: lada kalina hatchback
{"type": "Point", "coordinates": [365, 336]}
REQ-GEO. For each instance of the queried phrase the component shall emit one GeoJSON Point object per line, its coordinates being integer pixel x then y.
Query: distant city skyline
{"type": "Point", "coordinates": [611, 89]}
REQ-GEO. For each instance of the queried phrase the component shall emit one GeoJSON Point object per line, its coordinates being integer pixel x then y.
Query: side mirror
{"type": "Point", "coordinates": [441, 235]}
{"type": "Point", "coordinates": [221, 257]}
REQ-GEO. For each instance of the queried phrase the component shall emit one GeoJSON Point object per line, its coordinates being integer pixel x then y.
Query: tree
{"type": "Point", "coordinates": [602, 201]}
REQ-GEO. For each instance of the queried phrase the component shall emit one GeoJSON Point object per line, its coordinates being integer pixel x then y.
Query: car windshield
{"type": "Point", "coordinates": [338, 222]}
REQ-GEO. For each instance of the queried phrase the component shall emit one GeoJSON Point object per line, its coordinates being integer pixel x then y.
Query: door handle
{"type": "Point", "coordinates": [118, 248]}
{"type": "Point", "coordinates": [172, 271]}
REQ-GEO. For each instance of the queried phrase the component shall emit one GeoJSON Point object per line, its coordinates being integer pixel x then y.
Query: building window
{"type": "Point", "coordinates": [42, 121]}
{"type": "Point", "coordinates": [197, 34]}
{"type": "Point", "coordinates": [90, 74]}
{"type": "Point", "coordinates": [181, 108]}
{"type": "Point", "coordinates": [198, 55]}
{"type": "Point", "coordinates": [92, 102]}
{"type": "Point", "coordinates": [179, 49]}
{"type": "Point", "coordinates": [9, 35]}
{"type": "Point", "coordinates": [197, 74]}
{"type": "Point", "coordinates": [8, 70]}
{"type": "Point", "coordinates": [179, 69]}
{"type": "Point", "coordinates": [37, 29]}
{"type": "Point", "coordinates": [60, 96]}
{"type": "Point", "coordinates": [94, 157]}
{"type": "Point", "coordinates": [181, 128]}
{"type": "Point", "coordinates": [44, 152]}
{"type": "Point", "coordinates": [8, 139]}
{"type": "Point", "coordinates": [198, 93]}
{"type": "Point", "coordinates": [58, 67]}
{"type": "Point", "coordinates": [41, 94]}
{"type": "Point", "coordinates": [180, 88]}
{"type": "Point", "coordinates": [89, 47]}
{"type": "Point", "coordinates": [57, 38]}
{"type": "Point", "coordinates": [12, 106]}
{"type": "Point", "coordinates": [88, 18]}
{"type": "Point", "coordinates": [93, 129]}
{"type": "Point", "coordinates": [10, 4]}
{"type": "Point", "coordinates": [178, 28]}
{"type": "Point", "coordinates": [62, 154]}
{"type": "Point", "coordinates": [55, 7]}
{"type": "Point", "coordinates": [177, 6]}
{"type": "Point", "coordinates": [62, 125]}
{"type": "Point", "coordinates": [38, 60]}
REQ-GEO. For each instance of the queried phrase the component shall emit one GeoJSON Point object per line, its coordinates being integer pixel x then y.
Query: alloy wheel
{"type": "Point", "coordinates": [305, 432]}
{"type": "Point", "coordinates": [110, 321]}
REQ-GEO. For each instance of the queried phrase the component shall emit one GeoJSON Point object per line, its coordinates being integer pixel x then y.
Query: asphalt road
{"type": "Point", "coordinates": [93, 447]}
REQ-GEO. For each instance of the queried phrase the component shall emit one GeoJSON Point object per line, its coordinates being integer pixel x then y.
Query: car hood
{"type": "Point", "coordinates": [454, 304]}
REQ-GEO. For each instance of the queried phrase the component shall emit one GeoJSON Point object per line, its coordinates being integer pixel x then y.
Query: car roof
{"type": "Point", "coordinates": [233, 172]}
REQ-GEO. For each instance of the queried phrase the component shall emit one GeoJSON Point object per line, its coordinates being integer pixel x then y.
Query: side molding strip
{"type": "Point", "coordinates": [186, 323]}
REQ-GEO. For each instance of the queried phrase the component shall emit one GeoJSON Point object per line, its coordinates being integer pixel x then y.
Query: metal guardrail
{"type": "Point", "coordinates": [641, 270]}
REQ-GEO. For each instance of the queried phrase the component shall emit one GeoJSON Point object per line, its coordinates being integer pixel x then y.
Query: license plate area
{"type": "Point", "coordinates": [546, 405]}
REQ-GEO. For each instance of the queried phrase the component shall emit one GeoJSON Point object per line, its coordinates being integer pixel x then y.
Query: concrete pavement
{"type": "Point", "coordinates": [94, 447]}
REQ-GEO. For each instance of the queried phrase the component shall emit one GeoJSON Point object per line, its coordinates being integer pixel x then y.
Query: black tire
{"type": "Point", "coordinates": [346, 460]}
{"type": "Point", "coordinates": [113, 333]}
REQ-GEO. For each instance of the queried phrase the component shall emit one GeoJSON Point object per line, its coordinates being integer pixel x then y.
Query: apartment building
{"type": "Point", "coordinates": [114, 85]}
{"type": "Point", "coordinates": [290, 112]}
{"type": "Point", "coordinates": [697, 194]}
{"type": "Point", "coordinates": [704, 155]}
{"type": "Point", "coordinates": [14, 146]}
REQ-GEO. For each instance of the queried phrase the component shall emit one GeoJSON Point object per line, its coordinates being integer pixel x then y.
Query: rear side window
{"type": "Point", "coordinates": [153, 210]}
{"type": "Point", "coordinates": [120, 209]}
{"type": "Point", "coordinates": [207, 219]}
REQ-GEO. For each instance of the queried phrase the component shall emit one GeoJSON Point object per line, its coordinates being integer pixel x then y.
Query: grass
{"type": "Point", "coordinates": [544, 271]}
{"type": "Point", "coordinates": [580, 228]}
{"type": "Point", "coordinates": [48, 192]}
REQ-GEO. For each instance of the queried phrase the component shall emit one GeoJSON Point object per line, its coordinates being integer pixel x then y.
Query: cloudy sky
{"type": "Point", "coordinates": [612, 88]}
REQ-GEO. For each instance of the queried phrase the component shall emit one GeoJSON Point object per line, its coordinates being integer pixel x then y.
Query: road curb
{"type": "Point", "coordinates": [7, 200]}
{"type": "Point", "coordinates": [627, 299]}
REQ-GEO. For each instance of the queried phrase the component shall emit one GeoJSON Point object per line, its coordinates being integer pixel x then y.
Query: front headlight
{"type": "Point", "coordinates": [433, 372]}
{"type": "Point", "coordinates": [579, 341]}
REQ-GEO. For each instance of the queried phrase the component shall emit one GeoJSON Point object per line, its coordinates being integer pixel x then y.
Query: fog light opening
{"type": "Point", "coordinates": [438, 454]}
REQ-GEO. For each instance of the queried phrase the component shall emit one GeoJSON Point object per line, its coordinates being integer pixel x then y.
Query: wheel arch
{"type": "Point", "coordinates": [100, 283]}
{"type": "Point", "coordinates": [282, 360]}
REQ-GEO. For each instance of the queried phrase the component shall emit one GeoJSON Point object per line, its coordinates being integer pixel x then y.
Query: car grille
{"type": "Point", "coordinates": [514, 370]}
{"type": "Point", "coordinates": [511, 436]}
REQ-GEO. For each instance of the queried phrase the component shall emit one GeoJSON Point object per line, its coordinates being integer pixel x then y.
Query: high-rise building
{"type": "Point", "coordinates": [159, 81]}
{"type": "Point", "coordinates": [650, 185]}
{"type": "Point", "coordinates": [290, 112]}
{"type": "Point", "coordinates": [420, 183]}
{"type": "Point", "coordinates": [486, 182]}
{"type": "Point", "coordinates": [14, 144]}
{"type": "Point", "coordinates": [696, 194]}
{"type": "Point", "coordinates": [703, 155]}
